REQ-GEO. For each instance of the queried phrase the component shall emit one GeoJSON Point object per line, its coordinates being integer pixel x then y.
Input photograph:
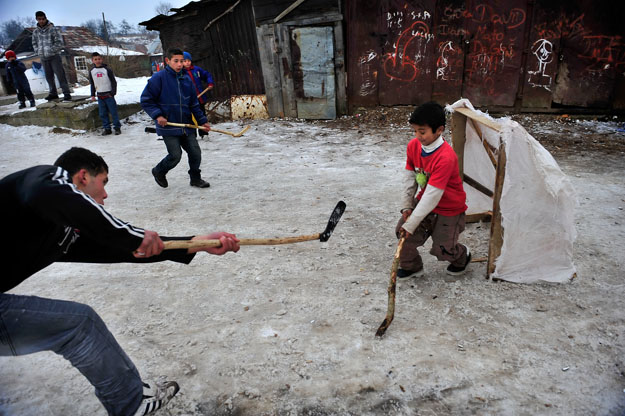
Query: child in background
{"type": "Point", "coordinates": [103, 81]}
{"type": "Point", "coordinates": [198, 77]}
{"type": "Point", "coordinates": [15, 75]}
{"type": "Point", "coordinates": [432, 166]}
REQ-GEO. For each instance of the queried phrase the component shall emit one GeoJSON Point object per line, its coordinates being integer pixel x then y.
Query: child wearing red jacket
{"type": "Point", "coordinates": [434, 201]}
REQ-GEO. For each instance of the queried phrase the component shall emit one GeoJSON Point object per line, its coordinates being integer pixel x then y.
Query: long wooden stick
{"type": "Point", "coordinates": [193, 126]}
{"type": "Point", "coordinates": [202, 93]}
{"type": "Point", "coordinates": [174, 244]}
{"type": "Point", "coordinates": [392, 286]}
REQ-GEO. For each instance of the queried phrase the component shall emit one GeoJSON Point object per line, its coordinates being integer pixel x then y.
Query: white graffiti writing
{"type": "Point", "coordinates": [543, 50]}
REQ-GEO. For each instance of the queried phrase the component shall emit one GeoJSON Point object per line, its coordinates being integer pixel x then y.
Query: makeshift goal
{"type": "Point", "coordinates": [513, 180]}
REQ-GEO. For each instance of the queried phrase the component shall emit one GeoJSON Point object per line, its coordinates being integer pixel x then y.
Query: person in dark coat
{"type": "Point", "coordinates": [55, 213]}
{"type": "Point", "coordinates": [15, 75]}
{"type": "Point", "coordinates": [169, 97]}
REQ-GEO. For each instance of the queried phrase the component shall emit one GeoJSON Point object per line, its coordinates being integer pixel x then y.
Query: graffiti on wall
{"type": "Point", "coordinates": [495, 42]}
{"type": "Point", "coordinates": [599, 53]}
{"type": "Point", "coordinates": [476, 48]}
{"type": "Point", "coordinates": [603, 53]}
{"type": "Point", "coordinates": [543, 51]}
{"type": "Point", "coordinates": [409, 48]}
{"type": "Point", "coordinates": [368, 73]}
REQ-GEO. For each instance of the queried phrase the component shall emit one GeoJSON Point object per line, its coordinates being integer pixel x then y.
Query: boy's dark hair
{"type": "Point", "coordinates": [174, 51]}
{"type": "Point", "coordinates": [78, 158]}
{"type": "Point", "coordinates": [39, 14]}
{"type": "Point", "coordinates": [429, 114]}
{"type": "Point", "coordinates": [95, 54]}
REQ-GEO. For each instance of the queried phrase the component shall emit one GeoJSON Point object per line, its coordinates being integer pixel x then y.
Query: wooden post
{"type": "Point", "coordinates": [458, 138]}
{"type": "Point", "coordinates": [496, 228]}
{"type": "Point", "coordinates": [489, 152]}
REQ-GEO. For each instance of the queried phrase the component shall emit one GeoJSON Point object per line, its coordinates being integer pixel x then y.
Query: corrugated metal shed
{"type": "Point", "coordinates": [508, 54]}
{"type": "Point", "coordinates": [221, 37]}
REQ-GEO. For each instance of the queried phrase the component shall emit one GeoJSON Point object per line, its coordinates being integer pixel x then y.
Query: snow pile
{"type": "Point", "coordinates": [128, 90]}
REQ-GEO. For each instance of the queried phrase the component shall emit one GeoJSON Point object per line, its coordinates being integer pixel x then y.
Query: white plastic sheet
{"type": "Point", "coordinates": [537, 203]}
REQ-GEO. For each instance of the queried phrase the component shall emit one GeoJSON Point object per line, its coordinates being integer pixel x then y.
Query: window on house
{"type": "Point", "coordinates": [80, 62]}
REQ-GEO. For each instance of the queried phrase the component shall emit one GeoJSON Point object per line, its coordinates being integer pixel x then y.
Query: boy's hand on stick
{"type": "Point", "coordinates": [206, 126]}
{"type": "Point", "coordinates": [406, 214]}
{"type": "Point", "coordinates": [162, 121]}
{"type": "Point", "coordinates": [229, 242]}
{"type": "Point", "coordinates": [150, 246]}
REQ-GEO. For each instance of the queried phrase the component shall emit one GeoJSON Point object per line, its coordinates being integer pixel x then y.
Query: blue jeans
{"type": "Point", "coordinates": [174, 145]}
{"type": "Point", "coordinates": [108, 106]}
{"type": "Point", "coordinates": [30, 324]}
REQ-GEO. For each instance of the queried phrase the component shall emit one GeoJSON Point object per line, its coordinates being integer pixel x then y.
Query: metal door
{"type": "Point", "coordinates": [312, 50]}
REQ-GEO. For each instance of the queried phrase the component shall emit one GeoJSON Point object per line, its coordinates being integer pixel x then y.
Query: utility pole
{"type": "Point", "coordinates": [106, 35]}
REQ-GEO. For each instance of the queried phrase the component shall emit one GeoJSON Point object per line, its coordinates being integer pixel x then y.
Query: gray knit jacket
{"type": "Point", "coordinates": [47, 40]}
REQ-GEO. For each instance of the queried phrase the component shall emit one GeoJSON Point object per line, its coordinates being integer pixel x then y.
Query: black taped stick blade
{"type": "Point", "coordinates": [334, 219]}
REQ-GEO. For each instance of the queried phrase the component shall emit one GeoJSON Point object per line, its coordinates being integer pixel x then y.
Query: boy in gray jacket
{"type": "Point", "coordinates": [47, 43]}
{"type": "Point", "coordinates": [103, 81]}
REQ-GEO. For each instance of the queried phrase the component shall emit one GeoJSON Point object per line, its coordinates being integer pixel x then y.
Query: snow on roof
{"type": "Point", "coordinates": [102, 50]}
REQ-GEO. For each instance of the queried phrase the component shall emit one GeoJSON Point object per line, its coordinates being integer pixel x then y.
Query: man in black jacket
{"type": "Point", "coordinates": [55, 213]}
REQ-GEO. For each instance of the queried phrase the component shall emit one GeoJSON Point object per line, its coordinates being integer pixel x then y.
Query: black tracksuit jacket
{"type": "Point", "coordinates": [47, 219]}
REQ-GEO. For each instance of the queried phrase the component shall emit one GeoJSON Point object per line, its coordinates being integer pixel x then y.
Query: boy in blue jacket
{"type": "Point", "coordinates": [198, 76]}
{"type": "Point", "coordinates": [169, 96]}
{"type": "Point", "coordinates": [15, 75]}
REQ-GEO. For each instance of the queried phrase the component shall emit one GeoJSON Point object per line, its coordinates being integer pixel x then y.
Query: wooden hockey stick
{"type": "Point", "coordinates": [202, 93]}
{"type": "Point", "coordinates": [192, 126]}
{"type": "Point", "coordinates": [392, 286]}
{"type": "Point", "coordinates": [324, 236]}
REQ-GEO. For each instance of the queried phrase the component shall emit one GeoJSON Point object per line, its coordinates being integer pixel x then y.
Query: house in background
{"type": "Point", "coordinates": [80, 43]}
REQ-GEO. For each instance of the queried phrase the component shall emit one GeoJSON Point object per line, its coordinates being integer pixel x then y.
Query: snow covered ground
{"type": "Point", "coordinates": [289, 330]}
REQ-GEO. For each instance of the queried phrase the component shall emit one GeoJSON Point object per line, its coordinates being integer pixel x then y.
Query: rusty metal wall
{"type": "Point", "coordinates": [228, 48]}
{"type": "Point", "coordinates": [515, 54]}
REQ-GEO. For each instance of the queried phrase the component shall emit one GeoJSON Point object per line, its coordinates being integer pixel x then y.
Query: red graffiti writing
{"type": "Point", "coordinates": [604, 51]}
{"type": "Point", "coordinates": [484, 13]}
{"type": "Point", "coordinates": [400, 64]}
{"type": "Point", "coordinates": [564, 27]}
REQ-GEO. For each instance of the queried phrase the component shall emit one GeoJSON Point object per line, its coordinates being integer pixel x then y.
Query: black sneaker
{"type": "Point", "coordinates": [33, 104]}
{"type": "Point", "coordinates": [118, 132]}
{"type": "Point", "coordinates": [67, 97]}
{"type": "Point", "coordinates": [160, 179]}
{"type": "Point", "coordinates": [155, 396]}
{"type": "Point", "coordinates": [52, 97]}
{"type": "Point", "coordinates": [106, 132]}
{"type": "Point", "coordinates": [403, 274]}
{"type": "Point", "coordinates": [22, 105]}
{"type": "Point", "coordinates": [200, 183]}
{"type": "Point", "coordinates": [457, 270]}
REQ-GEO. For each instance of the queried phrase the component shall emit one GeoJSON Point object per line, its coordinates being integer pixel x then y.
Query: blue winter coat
{"type": "Point", "coordinates": [171, 95]}
{"type": "Point", "coordinates": [16, 76]}
{"type": "Point", "coordinates": [197, 75]}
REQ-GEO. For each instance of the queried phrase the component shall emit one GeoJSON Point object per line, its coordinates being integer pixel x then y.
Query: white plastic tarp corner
{"type": "Point", "coordinates": [537, 203]}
